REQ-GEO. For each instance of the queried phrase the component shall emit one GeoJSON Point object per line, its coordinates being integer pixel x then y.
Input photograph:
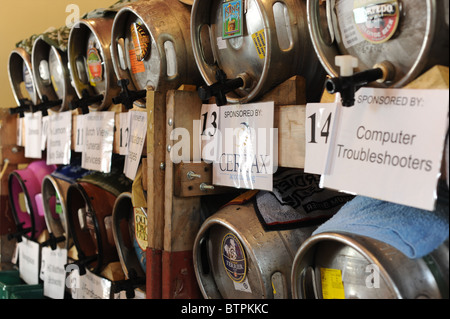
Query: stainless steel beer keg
{"type": "Point", "coordinates": [403, 38]}
{"type": "Point", "coordinates": [20, 71]}
{"type": "Point", "coordinates": [151, 48]}
{"type": "Point", "coordinates": [51, 75]}
{"type": "Point", "coordinates": [234, 257]}
{"type": "Point", "coordinates": [90, 202]}
{"type": "Point", "coordinates": [54, 198]}
{"type": "Point", "coordinates": [246, 47]}
{"type": "Point", "coordinates": [130, 236]}
{"type": "Point", "coordinates": [89, 218]}
{"type": "Point", "coordinates": [90, 64]}
{"type": "Point", "coordinates": [342, 265]}
{"type": "Point", "coordinates": [24, 192]}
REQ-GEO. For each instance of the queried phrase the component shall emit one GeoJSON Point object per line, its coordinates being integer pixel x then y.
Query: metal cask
{"type": "Point", "coordinates": [409, 36]}
{"type": "Point", "coordinates": [235, 258]}
{"type": "Point", "coordinates": [151, 49]}
{"type": "Point", "coordinates": [370, 269]}
{"type": "Point", "coordinates": [254, 44]}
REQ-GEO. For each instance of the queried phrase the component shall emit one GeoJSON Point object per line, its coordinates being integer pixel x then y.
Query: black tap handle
{"type": "Point", "coordinates": [126, 96]}
{"type": "Point", "coordinates": [85, 101]}
{"type": "Point", "coordinates": [52, 241]}
{"type": "Point", "coordinates": [348, 85]}
{"type": "Point", "coordinates": [220, 88]}
{"type": "Point", "coordinates": [45, 105]}
{"type": "Point", "coordinates": [83, 261]}
{"type": "Point", "coordinates": [24, 105]}
{"type": "Point", "coordinates": [19, 233]}
{"type": "Point", "coordinates": [128, 285]}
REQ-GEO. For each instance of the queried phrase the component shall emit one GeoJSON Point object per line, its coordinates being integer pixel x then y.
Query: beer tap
{"type": "Point", "coordinates": [19, 233]}
{"type": "Point", "coordinates": [126, 96]}
{"type": "Point", "coordinates": [128, 285]}
{"type": "Point", "coordinates": [52, 241]}
{"type": "Point", "coordinates": [348, 83]}
{"type": "Point", "coordinates": [85, 101]}
{"type": "Point", "coordinates": [83, 261]}
{"type": "Point", "coordinates": [220, 88]}
{"type": "Point", "coordinates": [24, 105]}
{"type": "Point", "coordinates": [45, 105]}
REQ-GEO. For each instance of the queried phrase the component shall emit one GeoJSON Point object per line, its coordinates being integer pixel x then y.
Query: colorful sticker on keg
{"type": "Point", "coordinates": [332, 285]}
{"type": "Point", "coordinates": [376, 20]}
{"type": "Point", "coordinates": [231, 18]}
{"type": "Point", "coordinates": [95, 68]}
{"type": "Point", "coordinates": [140, 227]}
{"type": "Point", "coordinates": [58, 205]}
{"type": "Point", "coordinates": [136, 65]}
{"type": "Point", "coordinates": [233, 257]}
{"type": "Point", "coordinates": [141, 42]}
{"type": "Point", "coordinates": [259, 41]}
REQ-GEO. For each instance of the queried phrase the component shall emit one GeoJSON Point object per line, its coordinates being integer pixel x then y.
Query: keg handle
{"type": "Point", "coordinates": [83, 261]}
{"type": "Point", "coordinates": [45, 105]}
{"type": "Point", "coordinates": [20, 231]}
{"type": "Point", "coordinates": [348, 83]}
{"type": "Point", "coordinates": [128, 285]}
{"type": "Point", "coordinates": [24, 105]}
{"type": "Point", "coordinates": [52, 241]}
{"type": "Point", "coordinates": [85, 101]}
{"type": "Point", "coordinates": [220, 88]}
{"type": "Point", "coordinates": [126, 96]}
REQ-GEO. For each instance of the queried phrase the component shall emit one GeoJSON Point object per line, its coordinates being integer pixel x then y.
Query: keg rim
{"type": "Point", "coordinates": [413, 71]}
{"type": "Point", "coordinates": [110, 88]}
{"type": "Point", "coordinates": [39, 86]}
{"type": "Point", "coordinates": [26, 58]}
{"type": "Point", "coordinates": [47, 182]}
{"type": "Point", "coordinates": [124, 256]}
{"type": "Point", "coordinates": [119, 20]}
{"type": "Point", "coordinates": [15, 176]}
{"type": "Point", "coordinates": [98, 247]}
{"type": "Point", "coordinates": [215, 220]}
{"type": "Point", "coordinates": [195, 25]}
{"type": "Point", "coordinates": [348, 239]}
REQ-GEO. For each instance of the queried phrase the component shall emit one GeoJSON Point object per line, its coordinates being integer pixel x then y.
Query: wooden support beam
{"type": "Point", "coordinates": [156, 136]}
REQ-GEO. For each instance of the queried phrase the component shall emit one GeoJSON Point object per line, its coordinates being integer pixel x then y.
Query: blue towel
{"type": "Point", "coordinates": [414, 232]}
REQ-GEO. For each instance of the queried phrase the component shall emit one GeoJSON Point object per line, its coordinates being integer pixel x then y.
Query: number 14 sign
{"type": "Point", "coordinates": [320, 118]}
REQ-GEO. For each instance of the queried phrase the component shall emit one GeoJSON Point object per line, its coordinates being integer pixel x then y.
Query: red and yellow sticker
{"type": "Point", "coordinates": [376, 20]}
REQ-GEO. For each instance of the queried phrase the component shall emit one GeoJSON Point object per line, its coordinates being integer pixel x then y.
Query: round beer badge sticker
{"type": "Point", "coordinates": [233, 257]}
{"type": "Point", "coordinates": [376, 20]}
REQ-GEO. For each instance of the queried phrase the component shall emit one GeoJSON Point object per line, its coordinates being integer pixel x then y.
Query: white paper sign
{"type": "Point", "coordinates": [389, 145]}
{"type": "Point", "coordinates": [319, 123]}
{"type": "Point", "coordinates": [124, 133]}
{"type": "Point", "coordinates": [248, 156]}
{"type": "Point", "coordinates": [44, 133]}
{"type": "Point", "coordinates": [98, 141]}
{"type": "Point", "coordinates": [29, 261]}
{"type": "Point", "coordinates": [19, 131]}
{"type": "Point", "coordinates": [138, 133]}
{"type": "Point", "coordinates": [79, 134]}
{"type": "Point", "coordinates": [33, 123]}
{"type": "Point", "coordinates": [59, 138]}
{"type": "Point", "coordinates": [53, 263]}
{"type": "Point", "coordinates": [89, 286]}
